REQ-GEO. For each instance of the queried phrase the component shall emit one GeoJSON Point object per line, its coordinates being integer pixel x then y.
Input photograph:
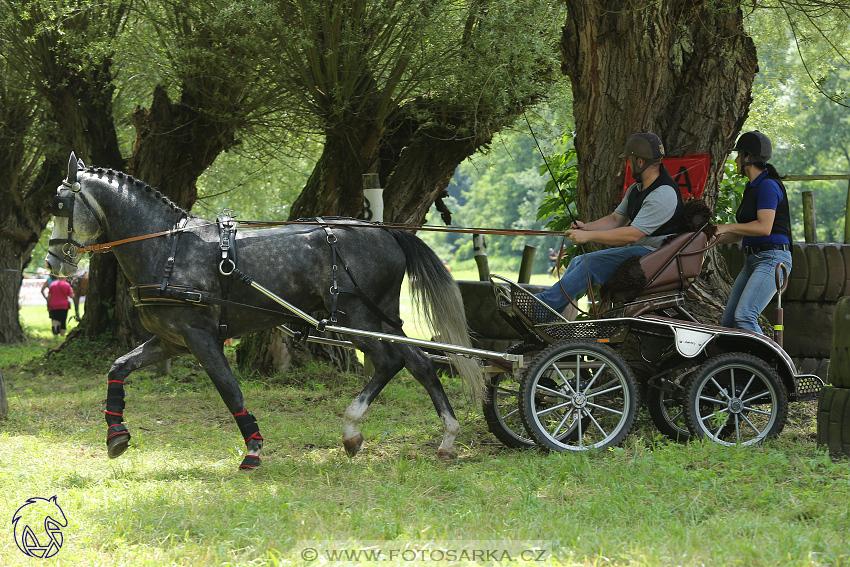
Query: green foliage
{"type": "Point", "coordinates": [561, 194]}
{"type": "Point", "coordinates": [729, 194]}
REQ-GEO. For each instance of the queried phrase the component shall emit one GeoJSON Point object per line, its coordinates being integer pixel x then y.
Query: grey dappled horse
{"type": "Point", "coordinates": [294, 262]}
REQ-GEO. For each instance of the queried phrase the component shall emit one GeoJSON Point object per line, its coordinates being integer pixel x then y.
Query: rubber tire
{"type": "Point", "coordinates": [834, 420]}
{"type": "Point", "coordinates": [660, 403]}
{"type": "Point", "coordinates": [514, 437]}
{"type": "Point", "coordinates": [503, 420]}
{"type": "Point", "coordinates": [839, 356]}
{"type": "Point", "coordinates": [701, 384]}
{"type": "Point", "coordinates": [561, 353]}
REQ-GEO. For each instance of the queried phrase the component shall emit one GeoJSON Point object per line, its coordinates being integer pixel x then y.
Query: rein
{"type": "Point", "coordinates": [107, 247]}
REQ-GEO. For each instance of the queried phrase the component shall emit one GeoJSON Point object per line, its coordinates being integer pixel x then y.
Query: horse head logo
{"type": "Point", "coordinates": [38, 527]}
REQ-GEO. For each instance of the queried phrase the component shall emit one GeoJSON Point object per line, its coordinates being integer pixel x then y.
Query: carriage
{"type": "Point", "coordinates": [194, 282]}
{"type": "Point", "coordinates": [581, 381]}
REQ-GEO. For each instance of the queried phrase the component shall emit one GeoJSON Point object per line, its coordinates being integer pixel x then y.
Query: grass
{"type": "Point", "coordinates": [176, 497]}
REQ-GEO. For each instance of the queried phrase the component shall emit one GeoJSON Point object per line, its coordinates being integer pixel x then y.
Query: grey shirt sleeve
{"type": "Point", "coordinates": [623, 207]}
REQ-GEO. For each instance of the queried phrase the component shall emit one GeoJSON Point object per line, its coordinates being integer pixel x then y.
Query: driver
{"type": "Point", "coordinates": [651, 210]}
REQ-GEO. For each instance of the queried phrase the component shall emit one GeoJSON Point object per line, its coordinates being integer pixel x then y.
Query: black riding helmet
{"type": "Point", "coordinates": [645, 145]}
{"type": "Point", "coordinates": [756, 145]}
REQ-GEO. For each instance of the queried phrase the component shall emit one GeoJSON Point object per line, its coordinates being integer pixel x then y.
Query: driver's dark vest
{"type": "Point", "coordinates": [636, 199]}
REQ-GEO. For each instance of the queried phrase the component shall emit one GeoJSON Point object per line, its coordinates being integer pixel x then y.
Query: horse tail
{"type": "Point", "coordinates": [437, 299]}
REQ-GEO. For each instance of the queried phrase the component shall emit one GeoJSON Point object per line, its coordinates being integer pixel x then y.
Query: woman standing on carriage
{"type": "Point", "coordinates": [764, 226]}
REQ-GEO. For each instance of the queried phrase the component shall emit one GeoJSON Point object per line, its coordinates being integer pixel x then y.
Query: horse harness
{"type": "Point", "coordinates": [167, 294]}
{"type": "Point", "coordinates": [63, 207]}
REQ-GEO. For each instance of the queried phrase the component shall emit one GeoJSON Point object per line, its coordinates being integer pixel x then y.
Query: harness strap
{"type": "Point", "coordinates": [169, 264]}
{"type": "Point", "coordinates": [356, 290]}
{"type": "Point", "coordinates": [227, 245]}
{"type": "Point", "coordinates": [150, 295]}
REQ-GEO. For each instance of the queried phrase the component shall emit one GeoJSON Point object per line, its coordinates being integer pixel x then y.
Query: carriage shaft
{"type": "Point", "coordinates": [514, 360]}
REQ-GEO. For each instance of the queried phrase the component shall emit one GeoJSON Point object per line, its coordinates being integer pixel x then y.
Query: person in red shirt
{"type": "Point", "coordinates": [58, 302]}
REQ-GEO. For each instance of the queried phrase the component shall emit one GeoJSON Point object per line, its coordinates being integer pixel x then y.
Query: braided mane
{"type": "Point", "coordinates": [131, 181]}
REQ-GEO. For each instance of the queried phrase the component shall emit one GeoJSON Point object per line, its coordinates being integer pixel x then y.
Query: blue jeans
{"type": "Point", "coordinates": [601, 266]}
{"type": "Point", "coordinates": [753, 289]}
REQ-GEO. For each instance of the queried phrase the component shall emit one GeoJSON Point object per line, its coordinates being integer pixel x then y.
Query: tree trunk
{"type": "Point", "coordinates": [175, 144]}
{"type": "Point", "coordinates": [422, 172]}
{"type": "Point", "coordinates": [680, 68]}
{"type": "Point", "coordinates": [335, 188]}
{"type": "Point", "coordinates": [414, 170]}
{"type": "Point", "coordinates": [24, 213]}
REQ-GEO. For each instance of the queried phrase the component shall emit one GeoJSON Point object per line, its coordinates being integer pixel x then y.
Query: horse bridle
{"type": "Point", "coordinates": [63, 206]}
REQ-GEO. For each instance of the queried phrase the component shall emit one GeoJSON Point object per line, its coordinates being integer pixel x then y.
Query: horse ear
{"type": "Point", "coordinates": [72, 169]}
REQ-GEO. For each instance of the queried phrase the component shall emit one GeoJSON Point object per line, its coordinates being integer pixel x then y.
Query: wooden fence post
{"type": "Point", "coordinates": [528, 254]}
{"type": "Point", "coordinates": [479, 248]}
{"type": "Point", "coordinates": [4, 402]}
{"type": "Point", "coordinates": [847, 216]}
{"type": "Point", "coordinates": [373, 198]}
{"type": "Point", "coordinates": [810, 224]}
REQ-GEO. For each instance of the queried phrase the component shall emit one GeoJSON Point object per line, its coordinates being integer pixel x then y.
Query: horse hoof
{"type": "Point", "coordinates": [249, 463]}
{"type": "Point", "coordinates": [446, 455]}
{"type": "Point", "coordinates": [117, 444]}
{"type": "Point", "coordinates": [352, 446]}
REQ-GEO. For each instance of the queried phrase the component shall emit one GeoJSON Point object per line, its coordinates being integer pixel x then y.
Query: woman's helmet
{"type": "Point", "coordinates": [756, 145]}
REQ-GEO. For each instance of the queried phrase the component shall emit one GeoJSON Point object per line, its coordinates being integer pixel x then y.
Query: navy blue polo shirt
{"type": "Point", "coordinates": [768, 195]}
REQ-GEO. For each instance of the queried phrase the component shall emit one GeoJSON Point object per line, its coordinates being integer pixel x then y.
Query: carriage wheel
{"type": "Point", "coordinates": [736, 399]}
{"type": "Point", "coordinates": [592, 405]}
{"type": "Point", "coordinates": [501, 407]}
{"type": "Point", "coordinates": [501, 410]}
{"type": "Point", "coordinates": [667, 410]}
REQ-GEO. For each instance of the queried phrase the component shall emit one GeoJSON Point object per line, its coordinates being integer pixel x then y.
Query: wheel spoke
{"type": "Point", "coordinates": [596, 423]}
{"type": "Point", "coordinates": [563, 378]}
{"type": "Point", "coordinates": [756, 410]}
{"type": "Point", "coordinates": [747, 387]}
{"type": "Point", "coordinates": [553, 408]}
{"type": "Point", "coordinates": [563, 421]}
{"type": "Point", "coordinates": [757, 396]}
{"type": "Point", "coordinates": [732, 380]}
{"type": "Point", "coordinates": [550, 391]}
{"type": "Point", "coordinates": [719, 429]}
{"type": "Point", "coordinates": [756, 429]}
{"type": "Point", "coordinates": [580, 432]}
{"type": "Point", "coordinates": [603, 408]}
{"type": "Point", "coordinates": [614, 389]}
{"type": "Point", "coordinates": [737, 429]}
{"type": "Point", "coordinates": [595, 376]}
{"type": "Point", "coordinates": [712, 400]}
{"type": "Point", "coordinates": [720, 390]}
{"type": "Point", "coordinates": [709, 416]}
{"type": "Point", "coordinates": [510, 413]}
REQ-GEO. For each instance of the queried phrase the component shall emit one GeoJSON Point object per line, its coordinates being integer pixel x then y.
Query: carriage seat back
{"type": "Point", "coordinates": [669, 269]}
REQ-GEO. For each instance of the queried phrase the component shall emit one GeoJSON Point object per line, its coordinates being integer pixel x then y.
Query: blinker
{"type": "Point", "coordinates": [62, 206]}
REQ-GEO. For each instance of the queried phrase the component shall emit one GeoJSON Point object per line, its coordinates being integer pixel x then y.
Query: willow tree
{"type": "Point", "coordinates": [681, 68]}
{"type": "Point", "coordinates": [188, 66]}
{"type": "Point", "coordinates": [406, 89]}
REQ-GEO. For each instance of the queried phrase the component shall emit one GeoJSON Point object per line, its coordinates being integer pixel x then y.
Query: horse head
{"type": "Point", "coordinates": [76, 222]}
